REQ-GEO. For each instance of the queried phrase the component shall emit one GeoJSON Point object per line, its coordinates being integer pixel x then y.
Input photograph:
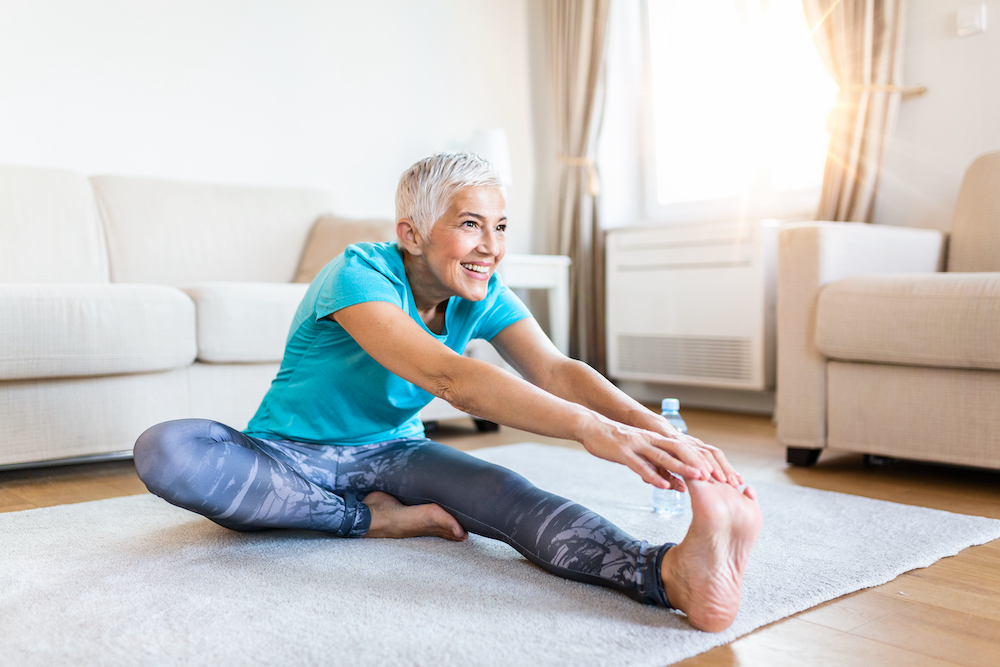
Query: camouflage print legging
{"type": "Point", "coordinates": [246, 483]}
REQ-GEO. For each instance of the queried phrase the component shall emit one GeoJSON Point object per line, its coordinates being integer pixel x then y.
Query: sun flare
{"type": "Point", "coordinates": [740, 98]}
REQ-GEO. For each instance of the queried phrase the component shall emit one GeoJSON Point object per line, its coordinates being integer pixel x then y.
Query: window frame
{"type": "Point", "coordinates": [788, 205]}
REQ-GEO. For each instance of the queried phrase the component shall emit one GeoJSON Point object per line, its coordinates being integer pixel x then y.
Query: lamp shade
{"type": "Point", "coordinates": [491, 145]}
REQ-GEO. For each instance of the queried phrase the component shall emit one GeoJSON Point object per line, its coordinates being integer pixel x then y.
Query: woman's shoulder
{"type": "Point", "coordinates": [360, 260]}
{"type": "Point", "coordinates": [363, 272]}
{"type": "Point", "coordinates": [381, 257]}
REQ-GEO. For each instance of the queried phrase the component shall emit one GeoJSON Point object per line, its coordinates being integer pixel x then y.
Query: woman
{"type": "Point", "coordinates": [379, 333]}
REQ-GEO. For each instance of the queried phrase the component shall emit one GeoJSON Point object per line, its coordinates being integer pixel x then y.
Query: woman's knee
{"type": "Point", "coordinates": [162, 450]}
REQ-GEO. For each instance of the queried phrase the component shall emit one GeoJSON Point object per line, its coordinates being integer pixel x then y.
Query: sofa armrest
{"type": "Point", "coordinates": [811, 255]}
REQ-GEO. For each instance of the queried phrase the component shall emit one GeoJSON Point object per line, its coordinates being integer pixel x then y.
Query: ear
{"type": "Point", "coordinates": [408, 237]}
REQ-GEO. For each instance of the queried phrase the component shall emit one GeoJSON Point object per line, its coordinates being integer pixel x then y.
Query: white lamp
{"type": "Point", "coordinates": [491, 145]}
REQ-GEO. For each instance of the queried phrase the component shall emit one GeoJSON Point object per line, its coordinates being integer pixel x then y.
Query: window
{"type": "Point", "coordinates": [738, 106]}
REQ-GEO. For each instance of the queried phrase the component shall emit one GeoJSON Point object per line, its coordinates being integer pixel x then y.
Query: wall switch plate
{"type": "Point", "coordinates": [970, 20]}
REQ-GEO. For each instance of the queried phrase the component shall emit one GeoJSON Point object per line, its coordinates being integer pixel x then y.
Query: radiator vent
{"type": "Point", "coordinates": [680, 356]}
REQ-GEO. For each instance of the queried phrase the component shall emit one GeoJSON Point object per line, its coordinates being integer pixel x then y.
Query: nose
{"type": "Point", "coordinates": [490, 243]}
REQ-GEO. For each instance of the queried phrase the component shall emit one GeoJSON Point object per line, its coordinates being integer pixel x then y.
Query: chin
{"type": "Point", "coordinates": [474, 294]}
{"type": "Point", "coordinates": [478, 296]}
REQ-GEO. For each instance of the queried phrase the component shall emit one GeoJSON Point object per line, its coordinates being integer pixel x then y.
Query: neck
{"type": "Point", "coordinates": [431, 300]}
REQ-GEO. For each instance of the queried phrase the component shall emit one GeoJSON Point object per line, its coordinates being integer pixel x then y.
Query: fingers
{"type": "Point", "coordinates": [645, 470]}
{"type": "Point", "coordinates": [670, 464]}
{"type": "Point", "coordinates": [657, 474]}
{"type": "Point", "coordinates": [681, 449]}
{"type": "Point", "coordinates": [724, 471]}
{"type": "Point", "coordinates": [715, 470]}
{"type": "Point", "coordinates": [676, 483]}
{"type": "Point", "coordinates": [732, 476]}
{"type": "Point", "coordinates": [710, 460]}
{"type": "Point", "coordinates": [663, 460]}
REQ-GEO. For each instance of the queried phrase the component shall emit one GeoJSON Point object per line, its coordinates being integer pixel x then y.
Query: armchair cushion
{"type": "Point", "coordinates": [940, 319]}
{"type": "Point", "coordinates": [69, 330]}
{"type": "Point", "coordinates": [244, 322]}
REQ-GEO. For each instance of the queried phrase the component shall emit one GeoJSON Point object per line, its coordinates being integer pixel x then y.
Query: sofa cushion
{"type": "Point", "coordinates": [49, 228]}
{"type": "Point", "coordinates": [939, 319]}
{"type": "Point", "coordinates": [178, 233]}
{"type": "Point", "coordinates": [329, 237]}
{"type": "Point", "coordinates": [244, 322]}
{"type": "Point", "coordinates": [51, 331]}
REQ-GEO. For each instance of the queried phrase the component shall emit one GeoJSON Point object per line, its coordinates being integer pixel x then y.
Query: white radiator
{"type": "Point", "coordinates": [693, 304]}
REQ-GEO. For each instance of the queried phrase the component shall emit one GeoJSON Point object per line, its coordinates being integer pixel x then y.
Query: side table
{"type": "Point", "coordinates": [548, 272]}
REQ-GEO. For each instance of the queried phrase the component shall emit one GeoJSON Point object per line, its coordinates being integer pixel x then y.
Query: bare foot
{"type": "Point", "coordinates": [391, 518]}
{"type": "Point", "coordinates": [703, 575]}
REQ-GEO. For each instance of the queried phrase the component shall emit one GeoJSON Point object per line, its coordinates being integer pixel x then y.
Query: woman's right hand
{"type": "Point", "coordinates": [653, 456]}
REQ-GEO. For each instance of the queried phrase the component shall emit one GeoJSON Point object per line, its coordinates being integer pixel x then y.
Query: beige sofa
{"type": "Point", "coordinates": [126, 301]}
{"type": "Point", "coordinates": [882, 351]}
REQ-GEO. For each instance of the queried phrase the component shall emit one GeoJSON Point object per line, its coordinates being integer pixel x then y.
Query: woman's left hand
{"type": "Point", "coordinates": [722, 470]}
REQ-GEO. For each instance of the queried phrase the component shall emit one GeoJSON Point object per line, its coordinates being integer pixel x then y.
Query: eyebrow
{"type": "Point", "coordinates": [477, 216]}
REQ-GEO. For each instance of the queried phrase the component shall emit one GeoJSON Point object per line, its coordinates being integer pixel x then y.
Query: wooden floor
{"type": "Point", "coordinates": [948, 613]}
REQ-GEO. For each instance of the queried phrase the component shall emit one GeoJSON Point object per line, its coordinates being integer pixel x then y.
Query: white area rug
{"type": "Point", "coordinates": [135, 581]}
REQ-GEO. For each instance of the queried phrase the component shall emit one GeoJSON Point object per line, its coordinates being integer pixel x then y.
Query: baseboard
{"type": "Point", "coordinates": [72, 460]}
{"type": "Point", "coordinates": [711, 398]}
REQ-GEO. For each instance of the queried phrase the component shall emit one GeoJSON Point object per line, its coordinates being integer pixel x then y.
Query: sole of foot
{"type": "Point", "coordinates": [703, 575]}
{"type": "Point", "coordinates": [391, 518]}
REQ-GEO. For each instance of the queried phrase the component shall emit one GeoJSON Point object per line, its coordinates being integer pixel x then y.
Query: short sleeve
{"type": "Point", "coordinates": [506, 310]}
{"type": "Point", "coordinates": [352, 279]}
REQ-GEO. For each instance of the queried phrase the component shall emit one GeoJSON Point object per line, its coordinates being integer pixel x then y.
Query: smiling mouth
{"type": "Point", "coordinates": [476, 268]}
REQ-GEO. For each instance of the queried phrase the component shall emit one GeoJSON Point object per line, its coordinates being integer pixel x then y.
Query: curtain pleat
{"type": "Point", "coordinates": [861, 44]}
{"type": "Point", "coordinates": [577, 32]}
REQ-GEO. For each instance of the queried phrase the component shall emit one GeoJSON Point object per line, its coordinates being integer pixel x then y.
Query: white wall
{"type": "Point", "coordinates": [940, 133]}
{"type": "Point", "coordinates": [336, 94]}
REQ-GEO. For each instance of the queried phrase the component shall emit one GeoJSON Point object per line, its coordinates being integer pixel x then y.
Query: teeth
{"type": "Point", "coordinates": [477, 268]}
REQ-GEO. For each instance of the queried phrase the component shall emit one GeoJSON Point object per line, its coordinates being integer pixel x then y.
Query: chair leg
{"type": "Point", "coordinates": [802, 457]}
{"type": "Point", "coordinates": [484, 426]}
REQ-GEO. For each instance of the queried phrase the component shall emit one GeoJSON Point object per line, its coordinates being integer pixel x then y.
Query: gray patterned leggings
{"type": "Point", "coordinates": [246, 483]}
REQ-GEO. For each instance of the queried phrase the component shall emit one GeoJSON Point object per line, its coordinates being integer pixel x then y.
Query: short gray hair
{"type": "Point", "coordinates": [425, 189]}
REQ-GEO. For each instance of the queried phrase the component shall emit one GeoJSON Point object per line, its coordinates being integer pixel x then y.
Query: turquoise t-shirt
{"type": "Point", "coordinates": [328, 389]}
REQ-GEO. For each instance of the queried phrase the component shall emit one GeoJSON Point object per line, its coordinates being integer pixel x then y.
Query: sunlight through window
{"type": "Point", "coordinates": [740, 100]}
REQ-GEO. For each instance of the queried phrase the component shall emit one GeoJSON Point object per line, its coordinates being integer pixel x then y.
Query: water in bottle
{"type": "Point", "coordinates": [667, 501]}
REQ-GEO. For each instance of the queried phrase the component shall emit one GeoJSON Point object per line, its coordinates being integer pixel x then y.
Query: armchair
{"type": "Point", "coordinates": [883, 351]}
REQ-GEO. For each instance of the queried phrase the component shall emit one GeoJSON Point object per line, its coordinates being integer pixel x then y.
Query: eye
{"type": "Point", "coordinates": [502, 228]}
{"type": "Point", "coordinates": [471, 223]}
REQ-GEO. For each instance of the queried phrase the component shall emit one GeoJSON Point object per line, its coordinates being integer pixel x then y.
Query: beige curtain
{"type": "Point", "coordinates": [576, 32]}
{"type": "Point", "coordinates": [861, 43]}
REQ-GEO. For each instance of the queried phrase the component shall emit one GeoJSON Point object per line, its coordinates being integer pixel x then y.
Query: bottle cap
{"type": "Point", "coordinates": [670, 404]}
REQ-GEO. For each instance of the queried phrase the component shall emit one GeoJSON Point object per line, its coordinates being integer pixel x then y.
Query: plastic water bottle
{"type": "Point", "coordinates": [669, 501]}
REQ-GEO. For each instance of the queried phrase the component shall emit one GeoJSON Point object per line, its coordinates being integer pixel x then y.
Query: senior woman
{"type": "Point", "coordinates": [337, 444]}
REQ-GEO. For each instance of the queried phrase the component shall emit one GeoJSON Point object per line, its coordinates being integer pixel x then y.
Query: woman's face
{"type": "Point", "coordinates": [467, 242]}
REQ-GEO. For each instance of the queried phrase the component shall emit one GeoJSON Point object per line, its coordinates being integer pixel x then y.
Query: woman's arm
{"type": "Point", "coordinates": [526, 347]}
{"type": "Point", "coordinates": [399, 344]}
